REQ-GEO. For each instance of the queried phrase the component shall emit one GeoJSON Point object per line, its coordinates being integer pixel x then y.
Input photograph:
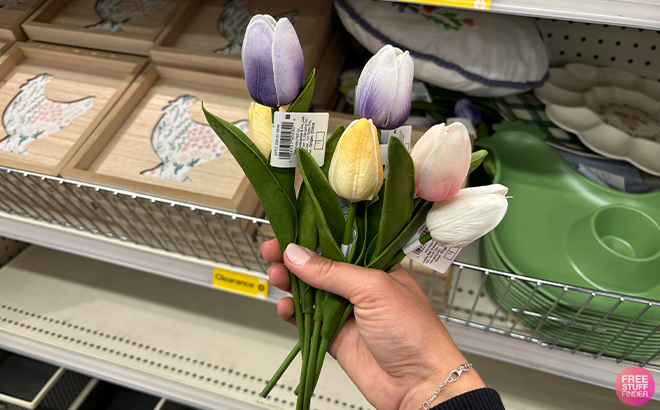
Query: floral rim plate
{"type": "Point", "coordinates": [613, 112]}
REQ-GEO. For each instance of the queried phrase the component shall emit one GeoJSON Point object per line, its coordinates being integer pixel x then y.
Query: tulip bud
{"type": "Point", "coordinates": [384, 89]}
{"type": "Point", "coordinates": [465, 109]}
{"type": "Point", "coordinates": [272, 61]}
{"type": "Point", "coordinates": [261, 127]}
{"type": "Point", "coordinates": [356, 169]}
{"type": "Point", "coordinates": [469, 215]}
{"type": "Point", "coordinates": [442, 160]}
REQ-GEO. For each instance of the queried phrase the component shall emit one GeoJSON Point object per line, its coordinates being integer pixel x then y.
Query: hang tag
{"type": "Point", "coordinates": [432, 254]}
{"type": "Point", "coordinates": [404, 133]}
{"type": "Point", "coordinates": [293, 130]}
{"type": "Point", "coordinates": [420, 92]}
{"type": "Point", "coordinates": [609, 179]}
{"type": "Point", "coordinates": [472, 132]}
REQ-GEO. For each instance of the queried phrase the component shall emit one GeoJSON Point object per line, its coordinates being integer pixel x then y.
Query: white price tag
{"type": "Point", "coordinates": [293, 130]}
{"type": "Point", "coordinates": [609, 179]}
{"type": "Point", "coordinates": [404, 133]}
{"type": "Point", "coordinates": [420, 92]}
{"type": "Point", "coordinates": [432, 254]}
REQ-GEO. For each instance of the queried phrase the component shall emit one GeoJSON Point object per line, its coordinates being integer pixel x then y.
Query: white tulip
{"type": "Point", "coordinates": [467, 216]}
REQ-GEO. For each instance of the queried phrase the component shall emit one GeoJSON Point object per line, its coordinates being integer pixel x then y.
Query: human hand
{"type": "Point", "coordinates": [395, 349]}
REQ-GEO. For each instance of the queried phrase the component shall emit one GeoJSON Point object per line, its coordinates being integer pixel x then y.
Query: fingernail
{"type": "Point", "coordinates": [298, 255]}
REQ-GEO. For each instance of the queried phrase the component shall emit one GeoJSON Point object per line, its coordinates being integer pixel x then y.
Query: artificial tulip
{"type": "Point", "coordinates": [465, 109]}
{"type": "Point", "coordinates": [261, 127]}
{"type": "Point", "coordinates": [384, 89]}
{"type": "Point", "coordinates": [468, 216]}
{"type": "Point", "coordinates": [442, 161]}
{"type": "Point", "coordinates": [272, 61]}
{"type": "Point", "coordinates": [356, 169]}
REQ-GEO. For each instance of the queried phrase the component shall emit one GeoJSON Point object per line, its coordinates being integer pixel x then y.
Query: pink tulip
{"type": "Point", "coordinates": [442, 161]}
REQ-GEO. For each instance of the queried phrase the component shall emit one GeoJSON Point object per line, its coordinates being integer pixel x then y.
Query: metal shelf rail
{"type": "Point", "coordinates": [629, 13]}
{"type": "Point", "coordinates": [184, 241]}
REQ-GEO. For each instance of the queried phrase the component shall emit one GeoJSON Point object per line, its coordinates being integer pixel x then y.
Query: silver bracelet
{"type": "Point", "coordinates": [453, 376]}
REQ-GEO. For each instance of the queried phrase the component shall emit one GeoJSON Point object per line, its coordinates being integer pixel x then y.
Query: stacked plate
{"type": "Point", "coordinates": [564, 228]}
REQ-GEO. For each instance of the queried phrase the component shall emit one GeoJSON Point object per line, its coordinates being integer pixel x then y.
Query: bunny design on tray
{"type": "Point", "coordinates": [30, 115]}
{"type": "Point", "coordinates": [114, 13]}
{"type": "Point", "coordinates": [234, 20]}
{"type": "Point", "coordinates": [182, 143]}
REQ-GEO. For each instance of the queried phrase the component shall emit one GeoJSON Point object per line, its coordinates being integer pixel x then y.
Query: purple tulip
{"type": "Point", "coordinates": [384, 89]}
{"type": "Point", "coordinates": [465, 109]}
{"type": "Point", "coordinates": [272, 61]}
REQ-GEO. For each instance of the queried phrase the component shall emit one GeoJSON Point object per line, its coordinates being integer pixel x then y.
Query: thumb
{"type": "Point", "coordinates": [343, 279]}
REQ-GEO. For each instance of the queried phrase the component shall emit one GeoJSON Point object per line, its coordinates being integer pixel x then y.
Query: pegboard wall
{"type": "Point", "coordinates": [631, 49]}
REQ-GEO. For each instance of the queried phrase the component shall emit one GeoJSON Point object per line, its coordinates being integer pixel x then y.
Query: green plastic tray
{"type": "Point", "coordinates": [565, 228]}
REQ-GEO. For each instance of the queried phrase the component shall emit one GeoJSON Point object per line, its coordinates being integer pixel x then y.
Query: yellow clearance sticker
{"type": "Point", "coordinates": [240, 283]}
{"type": "Point", "coordinates": [464, 4]}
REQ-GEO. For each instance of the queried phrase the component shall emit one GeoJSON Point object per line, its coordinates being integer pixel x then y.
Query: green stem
{"type": "Point", "coordinates": [295, 292]}
{"type": "Point", "coordinates": [350, 219]}
{"type": "Point", "coordinates": [311, 366]}
{"type": "Point", "coordinates": [278, 374]}
{"type": "Point", "coordinates": [325, 344]}
{"type": "Point", "coordinates": [320, 358]}
{"type": "Point", "coordinates": [303, 372]}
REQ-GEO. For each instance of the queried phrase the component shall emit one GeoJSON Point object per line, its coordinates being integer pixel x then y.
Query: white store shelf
{"type": "Point", "coordinates": [628, 13]}
{"type": "Point", "coordinates": [169, 264]}
{"type": "Point", "coordinates": [186, 343]}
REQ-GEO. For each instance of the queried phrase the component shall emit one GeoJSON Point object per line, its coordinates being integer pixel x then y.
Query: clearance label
{"type": "Point", "coordinates": [464, 4]}
{"type": "Point", "coordinates": [240, 283]}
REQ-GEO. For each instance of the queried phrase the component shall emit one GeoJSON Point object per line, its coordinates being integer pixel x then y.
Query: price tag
{"type": "Point", "coordinates": [432, 254]}
{"type": "Point", "coordinates": [464, 4]}
{"type": "Point", "coordinates": [609, 179]}
{"type": "Point", "coordinates": [404, 133]}
{"type": "Point", "coordinates": [240, 283]}
{"type": "Point", "coordinates": [293, 130]}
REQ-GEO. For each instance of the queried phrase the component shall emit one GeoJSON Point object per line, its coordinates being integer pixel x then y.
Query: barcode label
{"type": "Point", "coordinates": [432, 254]}
{"type": "Point", "coordinates": [293, 130]}
{"type": "Point", "coordinates": [404, 133]}
{"type": "Point", "coordinates": [286, 139]}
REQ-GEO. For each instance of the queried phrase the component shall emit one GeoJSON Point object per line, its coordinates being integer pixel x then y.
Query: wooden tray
{"type": "Point", "coordinates": [198, 38]}
{"type": "Point", "coordinates": [65, 80]}
{"type": "Point", "coordinates": [13, 15]}
{"type": "Point", "coordinates": [120, 150]}
{"type": "Point", "coordinates": [94, 23]}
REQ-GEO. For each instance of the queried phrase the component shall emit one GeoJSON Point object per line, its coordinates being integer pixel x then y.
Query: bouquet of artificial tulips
{"type": "Point", "coordinates": [384, 211]}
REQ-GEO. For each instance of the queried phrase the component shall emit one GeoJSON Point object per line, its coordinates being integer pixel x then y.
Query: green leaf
{"type": "Point", "coordinates": [333, 309]}
{"type": "Point", "coordinates": [384, 258]}
{"type": "Point", "coordinates": [396, 261]}
{"type": "Point", "coordinates": [330, 146]}
{"type": "Point", "coordinates": [307, 237]}
{"type": "Point", "coordinates": [276, 202]}
{"type": "Point", "coordinates": [287, 180]}
{"type": "Point", "coordinates": [329, 217]}
{"type": "Point", "coordinates": [477, 158]}
{"type": "Point", "coordinates": [398, 196]}
{"type": "Point", "coordinates": [304, 99]}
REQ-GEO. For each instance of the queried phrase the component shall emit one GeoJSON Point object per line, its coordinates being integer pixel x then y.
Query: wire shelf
{"type": "Point", "coordinates": [502, 303]}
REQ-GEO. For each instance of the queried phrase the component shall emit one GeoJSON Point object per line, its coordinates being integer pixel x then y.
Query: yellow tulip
{"type": "Point", "coordinates": [356, 170]}
{"type": "Point", "coordinates": [261, 127]}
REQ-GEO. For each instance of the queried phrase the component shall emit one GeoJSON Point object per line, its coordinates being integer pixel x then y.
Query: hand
{"type": "Point", "coordinates": [394, 348]}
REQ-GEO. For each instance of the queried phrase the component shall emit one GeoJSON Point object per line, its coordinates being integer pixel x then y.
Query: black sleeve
{"type": "Point", "coordinates": [480, 399]}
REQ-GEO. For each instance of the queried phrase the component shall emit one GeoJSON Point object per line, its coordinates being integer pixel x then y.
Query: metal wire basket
{"type": "Point", "coordinates": [478, 298]}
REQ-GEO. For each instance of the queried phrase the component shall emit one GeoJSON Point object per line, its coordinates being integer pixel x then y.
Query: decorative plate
{"type": "Point", "coordinates": [613, 112]}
